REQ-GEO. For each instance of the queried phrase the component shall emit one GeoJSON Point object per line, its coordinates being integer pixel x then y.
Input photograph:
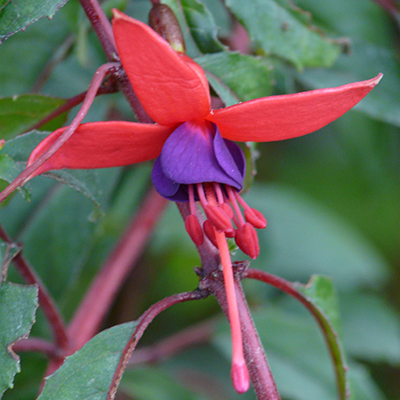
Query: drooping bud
{"type": "Point", "coordinates": [194, 230]}
{"type": "Point", "coordinates": [247, 240]}
{"type": "Point", "coordinates": [163, 20]}
{"type": "Point", "coordinates": [255, 218]}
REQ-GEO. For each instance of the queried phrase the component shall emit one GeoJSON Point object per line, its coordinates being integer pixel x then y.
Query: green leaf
{"type": "Point", "coordinates": [17, 315]}
{"type": "Point", "coordinates": [247, 76]}
{"type": "Point", "coordinates": [202, 26]}
{"type": "Point", "coordinates": [280, 29]}
{"type": "Point", "coordinates": [9, 170]}
{"type": "Point", "coordinates": [224, 93]}
{"type": "Point", "coordinates": [89, 372]}
{"type": "Point", "coordinates": [322, 299]}
{"type": "Point", "coordinates": [7, 253]}
{"type": "Point", "coordinates": [18, 113]}
{"type": "Point", "coordinates": [16, 15]}
{"type": "Point", "coordinates": [42, 46]}
{"type": "Point", "coordinates": [372, 51]}
{"type": "Point", "coordinates": [364, 338]}
{"type": "Point", "coordinates": [305, 238]}
{"type": "Point", "coordinates": [321, 294]}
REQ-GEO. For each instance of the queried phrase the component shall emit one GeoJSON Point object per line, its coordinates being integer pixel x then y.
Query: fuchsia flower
{"type": "Point", "coordinates": [196, 158]}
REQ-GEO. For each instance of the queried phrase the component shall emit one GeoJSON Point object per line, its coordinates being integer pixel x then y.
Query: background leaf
{"type": "Point", "coordinates": [17, 315]}
{"type": "Point", "coordinates": [247, 76]}
{"type": "Point", "coordinates": [88, 373]}
{"type": "Point", "coordinates": [15, 15]}
{"type": "Point", "coordinates": [18, 113]}
{"type": "Point", "coordinates": [279, 29]}
{"type": "Point", "coordinates": [303, 238]}
{"type": "Point", "coordinates": [202, 26]}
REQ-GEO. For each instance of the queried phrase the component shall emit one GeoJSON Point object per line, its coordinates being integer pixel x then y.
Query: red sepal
{"type": "Point", "coordinates": [288, 116]}
{"type": "Point", "coordinates": [171, 87]}
{"type": "Point", "coordinates": [103, 145]}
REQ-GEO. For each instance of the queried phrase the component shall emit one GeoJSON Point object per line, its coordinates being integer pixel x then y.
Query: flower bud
{"type": "Point", "coordinates": [163, 20]}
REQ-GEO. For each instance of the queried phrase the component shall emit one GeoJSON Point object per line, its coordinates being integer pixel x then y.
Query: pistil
{"type": "Point", "coordinates": [222, 207]}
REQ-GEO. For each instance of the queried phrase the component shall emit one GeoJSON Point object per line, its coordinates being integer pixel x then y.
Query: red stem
{"type": "Point", "coordinates": [101, 26]}
{"type": "Point", "coordinates": [36, 345]}
{"type": "Point", "coordinates": [257, 364]}
{"type": "Point", "coordinates": [47, 303]}
{"type": "Point", "coordinates": [143, 323]}
{"type": "Point", "coordinates": [103, 29]}
{"type": "Point", "coordinates": [175, 344]}
{"type": "Point", "coordinates": [120, 263]}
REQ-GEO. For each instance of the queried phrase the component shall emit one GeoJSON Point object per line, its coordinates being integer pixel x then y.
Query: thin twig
{"type": "Point", "coordinates": [120, 263]}
{"type": "Point", "coordinates": [36, 345]}
{"type": "Point", "coordinates": [143, 323]}
{"type": "Point", "coordinates": [68, 105]}
{"type": "Point", "coordinates": [25, 175]}
{"type": "Point", "coordinates": [166, 348]}
{"type": "Point", "coordinates": [47, 303]}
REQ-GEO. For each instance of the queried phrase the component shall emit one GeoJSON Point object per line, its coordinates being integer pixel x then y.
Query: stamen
{"type": "Point", "coordinates": [191, 200]}
{"type": "Point", "coordinates": [192, 224]}
{"type": "Point", "coordinates": [194, 230]}
{"type": "Point", "coordinates": [240, 375]}
{"type": "Point", "coordinates": [235, 206]}
{"type": "Point", "coordinates": [218, 191]}
{"type": "Point", "coordinates": [252, 215]}
{"type": "Point", "coordinates": [247, 240]}
{"type": "Point", "coordinates": [201, 194]}
{"type": "Point", "coordinates": [218, 218]}
{"type": "Point", "coordinates": [210, 232]}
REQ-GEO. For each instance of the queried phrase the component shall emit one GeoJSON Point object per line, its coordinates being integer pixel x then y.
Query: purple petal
{"type": "Point", "coordinates": [188, 157]}
{"type": "Point", "coordinates": [166, 187]}
{"type": "Point", "coordinates": [230, 158]}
